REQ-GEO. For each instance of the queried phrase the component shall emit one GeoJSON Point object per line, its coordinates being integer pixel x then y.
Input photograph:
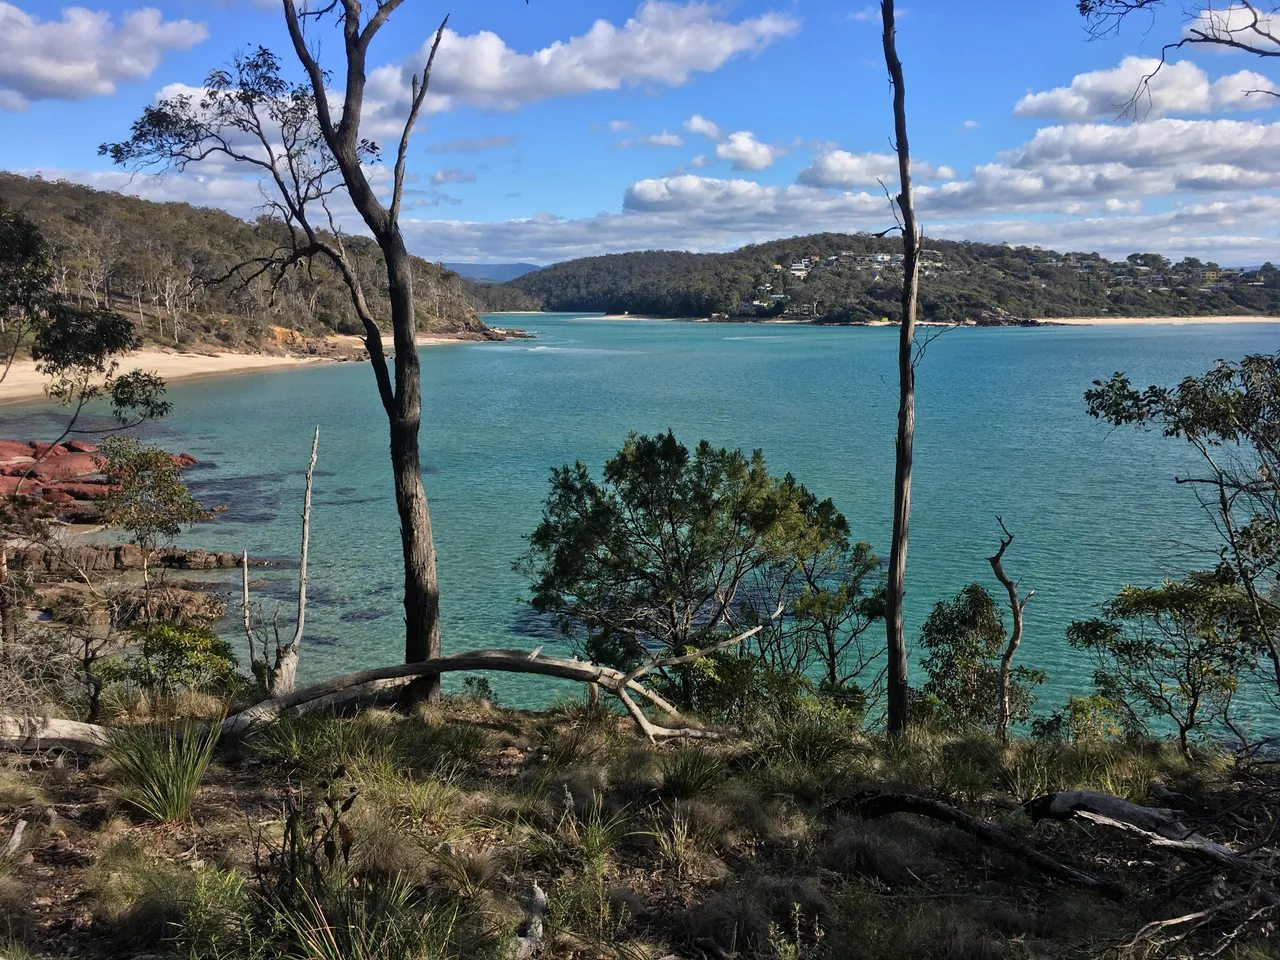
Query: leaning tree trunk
{"type": "Point", "coordinates": [421, 591]}
{"type": "Point", "coordinates": [895, 588]}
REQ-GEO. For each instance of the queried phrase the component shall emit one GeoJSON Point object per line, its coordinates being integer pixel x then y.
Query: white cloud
{"type": "Point", "coordinates": [701, 125]}
{"type": "Point", "coordinates": [865, 15]}
{"type": "Point", "coordinates": [971, 124]}
{"type": "Point", "coordinates": [662, 43]}
{"type": "Point", "coordinates": [1174, 88]}
{"type": "Point", "coordinates": [699, 161]}
{"type": "Point", "coordinates": [663, 139]}
{"type": "Point", "coordinates": [84, 54]}
{"type": "Point", "coordinates": [840, 168]}
{"type": "Point", "coordinates": [1257, 29]}
{"type": "Point", "coordinates": [452, 175]}
{"type": "Point", "coordinates": [745, 152]}
{"type": "Point", "coordinates": [617, 125]}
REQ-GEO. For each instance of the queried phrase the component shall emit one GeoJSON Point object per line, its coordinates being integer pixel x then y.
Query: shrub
{"type": "Point", "coordinates": [159, 771]}
{"type": "Point", "coordinates": [169, 658]}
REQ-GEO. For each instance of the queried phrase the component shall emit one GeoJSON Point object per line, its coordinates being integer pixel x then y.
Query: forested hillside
{"type": "Point", "coordinates": [850, 278]}
{"type": "Point", "coordinates": [155, 261]}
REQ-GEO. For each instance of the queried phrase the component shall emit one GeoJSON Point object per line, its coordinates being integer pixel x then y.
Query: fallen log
{"type": "Point", "coordinates": [30, 734]}
{"type": "Point", "coordinates": [22, 733]}
{"type": "Point", "coordinates": [1158, 826]}
{"type": "Point", "coordinates": [873, 805]}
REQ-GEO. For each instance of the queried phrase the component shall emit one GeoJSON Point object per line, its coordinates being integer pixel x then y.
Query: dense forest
{"type": "Point", "coordinates": [158, 263]}
{"type": "Point", "coordinates": [841, 278]}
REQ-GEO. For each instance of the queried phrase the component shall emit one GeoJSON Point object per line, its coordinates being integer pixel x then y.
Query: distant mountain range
{"type": "Point", "coordinates": [492, 272]}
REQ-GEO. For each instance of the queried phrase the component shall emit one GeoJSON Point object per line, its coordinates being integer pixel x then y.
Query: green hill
{"type": "Point", "coordinates": [842, 278]}
{"type": "Point", "coordinates": [155, 260]}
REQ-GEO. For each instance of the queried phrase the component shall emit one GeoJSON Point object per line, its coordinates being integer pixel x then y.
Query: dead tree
{"type": "Point", "coordinates": [896, 585]}
{"type": "Point", "coordinates": [1016, 606]}
{"type": "Point", "coordinates": [278, 671]}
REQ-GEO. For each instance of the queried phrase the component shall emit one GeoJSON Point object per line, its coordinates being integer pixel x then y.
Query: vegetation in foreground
{"type": "Point", "coordinates": [424, 835]}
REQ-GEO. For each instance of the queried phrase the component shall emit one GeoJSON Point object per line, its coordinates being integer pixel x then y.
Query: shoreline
{"type": "Point", "coordinates": [1033, 321]}
{"type": "Point", "coordinates": [25, 384]}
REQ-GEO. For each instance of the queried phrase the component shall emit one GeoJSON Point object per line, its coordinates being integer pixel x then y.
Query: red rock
{"type": "Point", "coordinates": [9, 449]}
{"type": "Point", "coordinates": [56, 449]}
{"type": "Point", "coordinates": [82, 446]}
{"type": "Point", "coordinates": [8, 486]}
{"type": "Point", "coordinates": [16, 467]}
{"type": "Point", "coordinates": [79, 491]}
{"type": "Point", "coordinates": [184, 459]}
{"type": "Point", "coordinates": [68, 466]}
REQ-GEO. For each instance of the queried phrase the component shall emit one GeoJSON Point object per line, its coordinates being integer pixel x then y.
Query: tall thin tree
{"type": "Point", "coordinates": [252, 115]}
{"type": "Point", "coordinates": [896, 585]}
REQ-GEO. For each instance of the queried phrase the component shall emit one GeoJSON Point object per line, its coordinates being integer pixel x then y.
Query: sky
{"type": "Point", "coordinates": [556, 129]}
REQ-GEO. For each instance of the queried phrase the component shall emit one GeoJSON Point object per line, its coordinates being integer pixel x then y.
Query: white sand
{"type": "Point", "coordinates": [25, 383]}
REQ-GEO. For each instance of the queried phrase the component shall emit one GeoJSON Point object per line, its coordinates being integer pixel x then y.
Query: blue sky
{"type": "Point", "coordinates": [562, 128]}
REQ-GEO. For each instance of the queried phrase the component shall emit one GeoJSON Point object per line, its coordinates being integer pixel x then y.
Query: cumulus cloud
{"type": "Point", "coordinates": [617, 125]}
{"type": "Point", "coordinates": [472, 144]}
{"type": "Point", "coordinates": [1237, 23]}
{"type": "Point", "coordinates": [84, 54]}
{"type": "Point", "coordinates": [702, 126]}
{"type": "Point", "coordinates": [840, 168]}
{"type": "Point", "coordinates": [745, 152]}
{"type": "Point", "coordinates": [1174, 88]}
{"type": "Point", "coordinates": [452, 175]}
{"type": "Point", "coordinates": [662, 43]}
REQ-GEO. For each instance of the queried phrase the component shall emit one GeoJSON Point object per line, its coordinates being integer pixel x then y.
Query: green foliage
{"type": "Point", "coordinates": [1174, 652]}
{"type": "Point", "coordinates": [655, 556]}
{"type": "Point", "coordinates": [147, 497]}
{"type": "Point", "coordinates": [963, 639]}
{"type": "Point", "coordinates": [167, 658]}
{"type": "Point", "coordinates": [158, 771]}
{"type": "Point", "coordinates": [1231, 417]}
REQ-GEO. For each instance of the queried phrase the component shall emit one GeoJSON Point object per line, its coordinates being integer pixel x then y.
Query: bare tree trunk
{"type": "Point", "coordinates": [896, 586]}
{"type": "Point", "coordinates": [8, 627]}
{"type": "Point", "coordinates": [403, 403]}
{"type": "Point", "coordinates": [1016, 606]}
{"type": "Point", "coordinates": [279, 677]}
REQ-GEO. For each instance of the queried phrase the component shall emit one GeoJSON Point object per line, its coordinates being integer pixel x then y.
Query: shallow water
{"type": "Point", "coordinates": [1001, 430]}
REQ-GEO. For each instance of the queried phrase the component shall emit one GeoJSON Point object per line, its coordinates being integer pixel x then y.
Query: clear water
{"type": "Point", "coordinates": [1002, 430]}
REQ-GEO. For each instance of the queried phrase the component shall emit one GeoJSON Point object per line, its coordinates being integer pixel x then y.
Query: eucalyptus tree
{"type": "Point", "coordinates": [306, 151]}
{"type": "Point", "coordinates": [895, 588]}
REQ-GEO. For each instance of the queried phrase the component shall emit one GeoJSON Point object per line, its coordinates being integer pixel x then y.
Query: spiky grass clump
{"type": "Point", "coordinates": [688, 772]}
{"type": "Point", "coordinates": [158, 771]}
{"type": "Point", "coordinates": [382, 921]}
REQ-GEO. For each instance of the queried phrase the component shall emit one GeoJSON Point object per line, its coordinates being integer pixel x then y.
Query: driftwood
{"type": "Point", "coordinates": [18, 733]}
{"type": "Point", "coordinates": [529, 943]}
{"type": "Point", "coordinates": [874, 805]}
{"type": "Point", "coordinates": [26, 734]}
{"type": "Point", "coordinates": [1158, 826]}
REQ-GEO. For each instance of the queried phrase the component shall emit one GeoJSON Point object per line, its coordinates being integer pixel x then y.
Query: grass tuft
{"type": "Point", "coordinates": [159, 770]}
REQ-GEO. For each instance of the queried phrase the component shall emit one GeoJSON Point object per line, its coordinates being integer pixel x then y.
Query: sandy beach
{"type": "Point", "coordinates": [25, 383]}
{"type": "Point", "coordinates": [1140, 321]}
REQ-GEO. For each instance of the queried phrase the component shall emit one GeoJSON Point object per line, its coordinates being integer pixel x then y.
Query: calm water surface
{"type": "Point", "coordinates": [1001, 430]}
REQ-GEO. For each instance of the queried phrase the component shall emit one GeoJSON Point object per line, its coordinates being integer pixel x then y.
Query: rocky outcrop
{"type": "Point", "coordinates": [68, 479]}
{"type": "Point", "coordinates": [99, 558]}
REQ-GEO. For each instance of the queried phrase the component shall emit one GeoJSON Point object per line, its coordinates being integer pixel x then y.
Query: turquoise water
{"type": "Point", "coordinates": [1001, 430]}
